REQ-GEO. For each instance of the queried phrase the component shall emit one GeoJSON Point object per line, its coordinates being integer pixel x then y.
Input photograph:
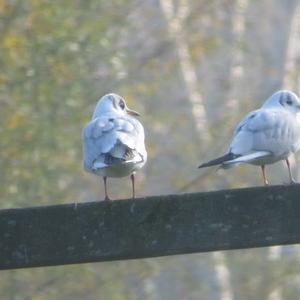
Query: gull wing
{"type": "Point", "coordinates": [271, 130]}
{"type": "Point", "coordinates": [263, 133]}
{"type": "Point", "coordinates": [111, 140]}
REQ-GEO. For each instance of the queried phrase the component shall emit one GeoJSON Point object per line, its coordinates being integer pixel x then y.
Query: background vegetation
{"type": "Point", "coordinates": [192, 69]}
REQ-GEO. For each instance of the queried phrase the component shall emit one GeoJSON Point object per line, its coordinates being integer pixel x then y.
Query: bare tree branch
{"type": "Point", "coordinates": [237, 69]}
{"type": "Point", "coordinates": [174, 23]}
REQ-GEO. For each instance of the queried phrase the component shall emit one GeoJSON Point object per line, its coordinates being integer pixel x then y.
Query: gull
{"type": "Point", "coordinates": [266, 135]}
{"type": "Point", "coordinates": [113, 141]}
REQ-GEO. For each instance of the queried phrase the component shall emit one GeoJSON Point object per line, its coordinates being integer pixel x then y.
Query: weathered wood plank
{"type": "Point", "coordinates": [153, 226]}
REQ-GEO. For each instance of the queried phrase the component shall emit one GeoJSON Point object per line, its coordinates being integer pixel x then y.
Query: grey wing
{"type": "Point", "coordinates": [130, 133]}
{"type": "Point", "coordinates": [130, 146]}
{"type": "Point", "coordinates": [270, 130]}
{"type": "Point", "coordinates": [110, 140]}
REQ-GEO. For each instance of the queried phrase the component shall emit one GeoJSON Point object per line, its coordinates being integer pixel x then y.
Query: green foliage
{"type": "Point", "coordinates": [59, 57]}
{"type": "Point", "coordinates": [51, 55]}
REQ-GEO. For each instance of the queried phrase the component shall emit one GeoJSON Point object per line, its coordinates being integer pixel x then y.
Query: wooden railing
{"type": "Point", "coordinates": [149, 227]}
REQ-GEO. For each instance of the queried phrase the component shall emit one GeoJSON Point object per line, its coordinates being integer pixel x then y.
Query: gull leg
{"type": "Point", "coordinates": [264, 175]}
{"type": "Point", "coordinates": [133, 185]}
{"type": "Point", "coordinates": [105, 189]}
{"type": "Point", "coordinates": [292, 180]}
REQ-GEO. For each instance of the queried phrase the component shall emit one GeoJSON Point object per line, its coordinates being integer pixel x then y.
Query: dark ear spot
{"type": "Point", "coordinates": [122, 104]}
{"type": "Point", "coordinates": [114, 102]}
{"type": "Point", "coordinates": [289, 101]}
{"type": "Point", "coordinates": [281, 100]}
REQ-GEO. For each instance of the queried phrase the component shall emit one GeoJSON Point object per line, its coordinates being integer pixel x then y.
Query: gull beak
{"type": "Point", "coordinates": [132, 112]}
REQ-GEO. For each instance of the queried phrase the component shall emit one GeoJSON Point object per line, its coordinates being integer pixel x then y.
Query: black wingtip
{"type": "Point", "coordinates": [203, 165]}
{"type": "Point", "coordinates": [219, 160]}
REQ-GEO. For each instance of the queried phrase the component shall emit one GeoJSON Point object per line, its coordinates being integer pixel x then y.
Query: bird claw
{"type": "Point", "coordinates": [292, 182]}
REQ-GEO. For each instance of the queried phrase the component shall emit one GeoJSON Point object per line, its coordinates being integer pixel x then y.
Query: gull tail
{"type": "Point", "coordinates": [246, 158]}
{"type": "Point", "coordinates": [220, 160]}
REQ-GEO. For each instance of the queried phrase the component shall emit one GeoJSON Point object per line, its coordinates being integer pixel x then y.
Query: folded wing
{"type": "Point", "coordinates": [262, 134]}
{"type": "Point", "coordinates": [269, 130]}
{"type": "Point", "coordinates": [110, 140]}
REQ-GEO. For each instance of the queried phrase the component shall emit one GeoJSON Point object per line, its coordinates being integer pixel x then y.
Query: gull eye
{"type": "Point", "coordinates": [289, 102]}
{"type": "Point", "coordinates": [122, 104]}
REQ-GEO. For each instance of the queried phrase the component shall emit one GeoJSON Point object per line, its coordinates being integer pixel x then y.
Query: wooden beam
{"type": "Point", "coordinates": [153, 226]}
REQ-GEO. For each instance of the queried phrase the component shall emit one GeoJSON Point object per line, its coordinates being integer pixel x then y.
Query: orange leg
{"type": "Point", "coordinates": [292, 180]}
{"type": "Point", "coordinates": [264, 175]}
{"type": "Point", "coordinates": [133, 185]}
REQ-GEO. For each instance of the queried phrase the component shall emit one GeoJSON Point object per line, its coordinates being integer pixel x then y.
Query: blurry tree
{"type": "Point", "coordinates": [183, 65]}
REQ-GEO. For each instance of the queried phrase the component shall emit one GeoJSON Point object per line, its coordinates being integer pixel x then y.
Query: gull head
{"type": "Point", "coordinates": [284, 99]}
{"type": "Point", "coordinates": [112, 103]}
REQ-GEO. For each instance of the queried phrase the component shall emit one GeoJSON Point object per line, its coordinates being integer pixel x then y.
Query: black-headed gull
{"type": "Point", "coordinates": [266, 135]}
{"type": "Point", "coordinates": [113, 141]}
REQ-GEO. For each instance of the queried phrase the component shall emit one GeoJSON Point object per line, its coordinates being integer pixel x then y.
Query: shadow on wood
{"type": "Point", "coordinates": [153, 226]}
